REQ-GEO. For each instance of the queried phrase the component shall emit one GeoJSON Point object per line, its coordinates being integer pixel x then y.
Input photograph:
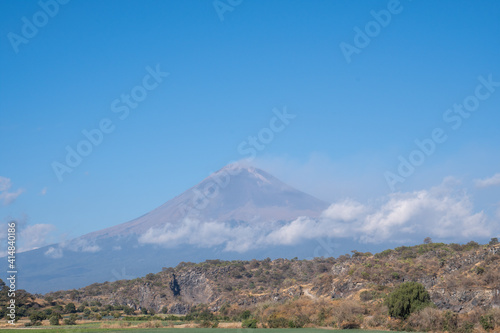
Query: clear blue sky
{"type": "Point", "coordinates": [226, 76]}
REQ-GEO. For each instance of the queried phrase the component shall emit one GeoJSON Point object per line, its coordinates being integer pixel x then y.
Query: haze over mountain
{"type": "Point", "coordinates": [220, 217]}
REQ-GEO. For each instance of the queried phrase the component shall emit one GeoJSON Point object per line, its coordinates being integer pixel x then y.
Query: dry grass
{"type": "Point", "coordinates": [230, 325]}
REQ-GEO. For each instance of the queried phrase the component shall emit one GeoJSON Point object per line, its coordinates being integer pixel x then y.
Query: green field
{"type": "Point", "coordinates": [189, 330]}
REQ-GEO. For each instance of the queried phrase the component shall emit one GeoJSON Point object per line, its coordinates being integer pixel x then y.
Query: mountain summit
{"type": "Point", "coordinates": [234, 193]}
{"type": "Point", "coordinates": [216, 218]}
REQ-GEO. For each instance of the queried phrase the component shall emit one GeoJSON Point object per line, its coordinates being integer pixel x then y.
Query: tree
{"type": "Point", "coordinates": [407, 298]}
{"type": "Point", "coordinates": [36, 318]}
{"type": "Point", "coordinates": [128, 310]}
{"type": "Point", "coordinates": [427, 240]}
{"type": "Point", "coordinates": [54, 318]}
{"type": "Point", "coordinates": [71, 320]}
{"type": "Point", "coordinates": [70, 308]}
{"type": "Point", "coordinates": [494, 241]}
{"type": "Point", "coordinates": [58, 308]}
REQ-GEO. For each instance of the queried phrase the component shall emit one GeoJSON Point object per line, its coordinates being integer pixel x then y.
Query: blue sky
{"type": "Point", "coordinates": [354, 119]}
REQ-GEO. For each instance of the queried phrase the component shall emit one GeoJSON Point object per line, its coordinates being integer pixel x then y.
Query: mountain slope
{"type": "Point", "coordinates": [197, 225]}
{"type": "Point", "coordinates": [459, 278]}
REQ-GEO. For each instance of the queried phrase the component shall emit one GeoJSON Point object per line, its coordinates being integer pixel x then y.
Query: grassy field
{"type": "Point", "coordinates": [186, 330]}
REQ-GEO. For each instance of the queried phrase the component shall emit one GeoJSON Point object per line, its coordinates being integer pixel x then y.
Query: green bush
{"type": "Point", "coordinates": [71, 320]}
{"type": "Point", "coordinates": [129, 311]}
{"type": "Point", "coordinates": [450, 321]}
{"type": "Point", "coordinates": [209, 324]}
{"type": "Point", "coordinates": [249, 323]}
{"type": "Point", "coordinates": [245, 314]}
{"type": "Point", "coordinates": [70, 308]}
{"type": "Point", "coordinates": [486, 322]}
{"type": "Point", "coordinates": [36, 318]}
{"type": "Point", "coordinates": [407, 298]}
{"type": "Point", "coordinates": [54, 319]}
{"type": "Point", "coordinates": [277, 322]}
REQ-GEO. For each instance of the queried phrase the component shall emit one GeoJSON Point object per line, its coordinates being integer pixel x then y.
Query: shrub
{"type": "Point", "coordinates": [128, 310]}
{"type": "Point", "coordinates": [208, 324]}
{"type": "Point", "coordinates": [466, 327]}
{"type": "Point", "coordinates": [249, 323]}
{"type": "Point", "coordinates": [348, 314]}
{"type": "Point", "coordinates": [450, 321]}
{"type": "Point", "coordinates": [150, 324]}
{"type": "Point", "coordinates": [429, 319]}
{"type": "Point", "coordinates": [407, 298]}
{"type": "Point", "coordinates": [245, 314]}
{"type": "Point", "coordinates": [366, 296]}
{"type": "Point", "coordinates": [471, 245]}
{"type": "Point", "coordinates": [70, 308]}
{"type": "Point", "coordinates": [54, 319]}
{"type": "Point", "coordinates": [36, 318]}
{"type": "Point", "coordinates": [486, 322]}
{"type": "Point", "coordinates": [71, 320]}
{"type": "Point", "coordinates": [277, 322]}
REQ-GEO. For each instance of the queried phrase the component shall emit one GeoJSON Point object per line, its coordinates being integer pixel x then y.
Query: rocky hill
{"type": "Point", "coordinates": [459, 278]}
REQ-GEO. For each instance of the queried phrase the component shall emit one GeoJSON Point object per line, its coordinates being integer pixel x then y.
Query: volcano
{"type": "Point", "coordinates": [217, 218]}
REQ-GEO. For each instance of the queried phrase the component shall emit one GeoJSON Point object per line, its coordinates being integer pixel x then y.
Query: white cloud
{"type": "Point", "coordinates": [29, 237]}
{"type": "Point", "coordinates": [202, 234]}
{"type": "Point", "coordinates": [54, 253]}
{"type": "Point", "coordinates": [81, 245]}
{"type": "Point", "coordinates": [346, 210]}
{"type": "Point", "coordinates": [5, 196]}
{"type": "Point", "coordinates": [36, 236]}
{"type": "Point", "coordinates": [492, 181]}
{"type": "Point", "coordinates": [444, 211]}
{"type": "Point", "coordinates": [294, 232]}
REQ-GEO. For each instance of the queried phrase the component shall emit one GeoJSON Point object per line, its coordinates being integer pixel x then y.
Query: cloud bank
{"type": "Point", "coordinates": [487, 182]}
{"type": "Point", "coordinates": [444, 211]}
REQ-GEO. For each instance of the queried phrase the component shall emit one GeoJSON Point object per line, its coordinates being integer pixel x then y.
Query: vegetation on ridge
{"type": "Point", "coordinates": [428, 287]}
